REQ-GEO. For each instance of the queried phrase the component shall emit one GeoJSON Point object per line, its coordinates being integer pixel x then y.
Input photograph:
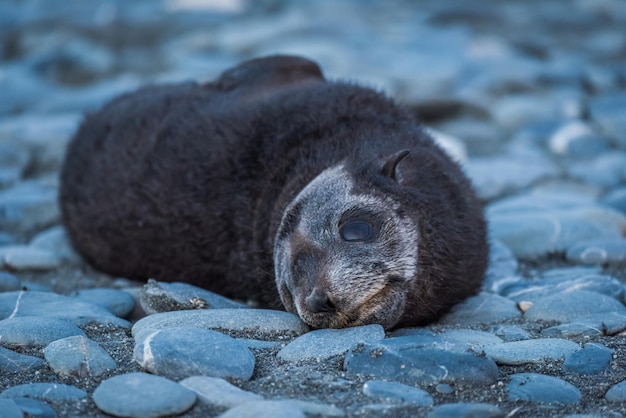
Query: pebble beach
{"type": "Point", "coordinates": [530, 98]}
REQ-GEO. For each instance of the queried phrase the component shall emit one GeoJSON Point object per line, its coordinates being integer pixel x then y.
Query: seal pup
{"type": "Point", "coordinates": [271, 183]}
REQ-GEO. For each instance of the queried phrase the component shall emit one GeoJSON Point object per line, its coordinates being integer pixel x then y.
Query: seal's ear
{"type": "Point", "coordinates": [389, 169]}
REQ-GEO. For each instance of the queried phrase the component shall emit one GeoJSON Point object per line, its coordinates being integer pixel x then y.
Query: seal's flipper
{"type": "Point", "coordinates": [268, 75]}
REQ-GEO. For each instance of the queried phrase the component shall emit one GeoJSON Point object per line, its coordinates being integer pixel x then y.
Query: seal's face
{"type": "Point", "coordinates": [344, 258]}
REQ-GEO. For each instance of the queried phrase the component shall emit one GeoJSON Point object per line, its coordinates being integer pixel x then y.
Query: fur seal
{"type": "Point", "coordinates": [271, 183]}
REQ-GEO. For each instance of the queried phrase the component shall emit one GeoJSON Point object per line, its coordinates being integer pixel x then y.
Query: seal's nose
{"type": "Point", "coordinates": [318, 302]}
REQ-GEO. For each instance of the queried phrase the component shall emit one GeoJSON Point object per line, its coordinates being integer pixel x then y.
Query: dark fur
{"type": "Point", "coordinates": [188, 182]}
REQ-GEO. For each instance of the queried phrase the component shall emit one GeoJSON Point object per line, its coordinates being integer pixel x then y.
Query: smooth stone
{"type": "Point", "coordinates": [118, 302]}
{"type": "Point", "coordinates": [33, 408]}
{"type": "Point", "coordinates": [28, 206]}
{"type": "Point", "coordinates": [538, 233]}
{"type": "Point", "coordinates": [510, 332]}
{"type": "Point", "coordinates": [156, 297]}
{"type": "Point", "coordinates": [316, 408]}
{"type": "Point", "coordinates": [12, 362]}
{"type": "Point", "coordinates": [607, 111]}
{"type": "Point", "coordinates": [617, 393]}
{"type": "Point", "coordinates": [568, 306]}
{"type": "Point", "coordinates": [534, 387]}
{"type": "Point", "coordinates": [593, 358]}
{"type": "Point", "coordinates": [6, 239]}
{"type": "Point", "coordinates": [531, 351]}
{"type": "Point", "coordinates": [397, 392]}
{"type": "Point", "coordinates": [182, 352]}
{"type": "Point", "coordinates": [78, 356]}
{"type": "Point", "coordinates": [142, 395]}
{"type": "Point", "coordinates": [466, 410]}
{"type": "Point", "coordinates": [322, 344]}
{"type": "Point", "coordinates": [48, 304]}
{"type": "Point", "coordinates": [9, 282]}
{"type": "Point", "coordinates": [9, 409]}
{"type": "Point", "coordinates": [598, 251]}
{"type": "Point", "coordinates": [530, 290]}
{"type": "Point", "coordinates": [264, 409]}
{"type": "Point", "coordinates": [484, 308]}
{"type": "Point", "coordinates": [21, 257]}
{"type": "Point", "coordinates": [55, 239]}
{"type": "Point", "coordinates": [255, 323]}
{"type": "Point", "coordinates": [605, 170]}
{"type": "Point", "coordinates": [36, 330]}
{"type": "Point", "coordinates": [616, 199]}
{"type": "Point", "coordinates": [609, 323]}
{"type": "Point", "coordinates": [578, 140]}
{"type": "Point", "coordinates": [417, 366]}
{"type": "Point", "coordinates": [456, 340]}
{"type": "Point", "coordinates": [218, 392]}
{"type": "Point", "coordinates": [502, 265]}
{"type": "Point", "coordinates": [45, 391]}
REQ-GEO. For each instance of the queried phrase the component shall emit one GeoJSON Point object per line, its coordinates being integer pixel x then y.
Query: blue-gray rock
{"type": "Point", "coordinates": [593, 325]}
{"type": "Point", "coordinates": [593, 358]}
{"type": "Point", "coordinates": [264, 409]}
{"type": "Point", "coordinates": [484, 308]}
{"type": "Point", "coordinates": [502, 264]}
{"type": "Point", "coordinates": [466, 410]}
{"type": "Point", "coordinates": [35, 330]}
{"type": "Point", "coordinates": [12, 362]}
{"type": "Point", "coordinates": [606, 170]}
{"type": "Point", "coordinates": [156, 297]}
{"type": "Point", "coordinates": [316, 408]}
{"type": "Point", "coordinates": [9, 409]}
{"type": "Point", "coordinates": [416, 366]}
{"type": "Point", "coordinates": [260, 323]}
{"type": "Point", "coordinates": [22, 257]}
{"type": "Point", "coordinates": [397, 392]}
{"type": "Point", "coordinates": [6, 239]}
{"type": "Point", "coordinates": [457, 340]}
{"type": "Point", "coordinates": [33, 408]}
{"type": "Point", "coordinates": [142, 395]}
{"type": "Point", "coordinates": [78, 356]}
{"type": "Point", "coordinates": [55, 239]}
{"type": "Point", "coordinates": [531, 351]}
{"type": "Point", "coordinates": [617, 393]}
{"type": "Point", "coordinates": [45, 391]}
{"type": "Point", "coordinates": [598, 251]}
{"type": "Point", "coordinates": [616, 199]}
{"type": "Point", "coordinates": [28, 206]}
{"type": "Point", "coordinates": [9, 282]}
{"type": "Point", "coordinates": [322, 344]}
{"type": "Point", "coordinates": [218, 392]}
{"type": "Point", "coordinates": [577, 139]}
{"type": "Point", "coordinates": [182, 352]}
{"type": "Point", "coordinates": [567, 306]}
{"type": "Point", "coordinates": [534, 387]}
{"type": "Point", "coordinates": [35, 303]}
{"type": "Point", "coordinates": [607, 111]}
{"type": "Point", "coordinates": [118, 302]}
{"type": "Point", "coordinates": [510, 332]}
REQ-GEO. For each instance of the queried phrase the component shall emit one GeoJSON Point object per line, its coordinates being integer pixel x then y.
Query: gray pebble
{"type": "Point", "coordinates": [534, 387]}
{"type": "Point", "coordinates": [444, 388]}
{"type": "Point", "coordinates": [608, 111]}
{"type": "Point", "coordinates": [142, 395]}
{"type": "Point", "coordinates": [316, 408]}
{"type": "Point", "coordinates": [28, 206]}
{"type": "Point", "coordinates": [22, 257]}
{"type": "Point", "coordinates": [617, 393]}
{"type": "Point", "coordinates": [33, 408]}
{"type": "Point", "coordinates": [78, 356]}
{"type": "Point", "coordinates": [45, 391]}
{"type": "Point", "coordinates": [484, 308]}
{"type": "Point", "coordinates": [9, 409]}
{"type": "Point", "coordinates": [118, 302]}
{"type": "Point", "coordinates": [510, 332]}
{"type": "Point", "coordinates": [264, 409]}
{"type": "Point", "coordinates": [616, 199]}
{"type": "Point", "coordinates": [466, 410]}
{"type": "Point", "coordinates": [606, 170]}
{"type": "Point", "coordinates": [55, 239]}
{"type": "Point", "coordinates": [598, 251]}
{"type": "Point", "coordinates": [416, 366]}
{"type": "Point", "coordinates": [457, 340]}
{"type": "Point", "coordinates": [592, 325]}
{"type": "Point", "coordinates": [35, 330]}
{"type": "Point", "coordinates": [158, 297]}
{"type": "Point", "coordinates": [218, 392]}
{"type": "Point", "coordinates": [325, 343]}
{"type": "Point", "coordinates": [52, 305]}
{"type": "Point", "coordinates": [261, 323]}
{"type": "Point", "coordinates": [531, 351]}
{"type": "Point", "coordinates": [593, 358]}
{"type": "Point", "coordinates": [182, 352]}
{"type": "Point", "coordinates": [567, 306]}
{"type": "Point", "coordinates": [12, 362]}
{"type": "Point", "coordinates": [9, 282]}
{"type": "Point", "coordinates": [397, 392]}
{"type": "Point", "coordinates": [502, 264]}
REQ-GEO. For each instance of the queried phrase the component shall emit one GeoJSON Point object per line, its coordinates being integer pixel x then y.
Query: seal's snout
{"type": "Point", "coordinates": [319, 302]}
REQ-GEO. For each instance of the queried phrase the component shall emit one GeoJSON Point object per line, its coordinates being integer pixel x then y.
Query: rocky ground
{"type": "Point", "coordinates": [531, 97]}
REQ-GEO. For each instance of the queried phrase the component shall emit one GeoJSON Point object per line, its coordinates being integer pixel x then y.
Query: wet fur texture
{"type": "Point", "coordinates": [196, 183]}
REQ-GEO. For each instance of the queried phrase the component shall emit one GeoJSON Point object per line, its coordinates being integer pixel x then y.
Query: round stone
{"type": "Point", "coordinates": [12, 362]}
{"type": "Point", "coordinates": [216, 391]}
{"type": "Point", "coordinates": [531, 351]}
{"type": "Point", "coordinates": [397, 392]}
{"type": "Point", "coordinates": [142, 395]}
{"type": "Point", "coordinates": [593, 358]}
{"type": "Point", "coordinates": [118, 302]}
{"type": "Point", "coordinates": [45, 391]}
{"type": "Point", "coordinates": [264, 409]}
{"type": "Point", "coordinates": [466, 410]}
{"type": "Point", "coordinates": [78, 356]}
{"type": "Point", "coordinates": [35, 330]}
{"type": "Point", "coordinates": [567, 306]}
{"type": "Point", "coordinates": [534, 387]}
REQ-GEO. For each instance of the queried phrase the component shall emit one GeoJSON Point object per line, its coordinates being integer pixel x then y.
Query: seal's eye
{"type": "Point", "coordinates": [356, 231]}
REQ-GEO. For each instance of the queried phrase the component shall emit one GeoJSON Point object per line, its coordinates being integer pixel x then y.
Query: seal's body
{"type": "Point", "coordinates": [273, 184]}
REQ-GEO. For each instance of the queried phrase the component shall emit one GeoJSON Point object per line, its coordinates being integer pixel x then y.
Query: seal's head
{"type": "Point", "coordinates": [346, 253]}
